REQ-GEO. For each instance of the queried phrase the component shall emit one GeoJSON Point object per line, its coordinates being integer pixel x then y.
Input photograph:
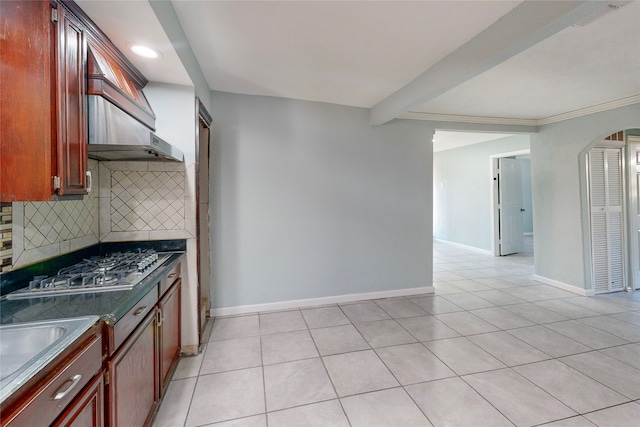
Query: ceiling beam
{"type": "Point", "coordinates": [526, 25]}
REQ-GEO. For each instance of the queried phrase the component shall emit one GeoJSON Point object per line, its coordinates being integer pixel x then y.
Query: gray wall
{"type": "Point", "coordinates": [175, 111]}
{"type": "Point", "coordinates": [311, 201]}
{"type": "Point", "coordinates": [462, 191]}
{"type": "Point", "coordinates": [559, 190]}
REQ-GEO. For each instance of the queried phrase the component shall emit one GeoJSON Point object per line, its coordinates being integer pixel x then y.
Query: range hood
{"type": "Point", "coordinates": [121, 121]}
{"type": "Point", "coordinates": [115, 135]}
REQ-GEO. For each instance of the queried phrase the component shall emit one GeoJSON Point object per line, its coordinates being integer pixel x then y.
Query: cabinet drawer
{"type": "Point", "coordinates": [50, 400]}
{"type": "Point", "coordinates": [129, 321]}
{"type": "Point", "coordinates": [169, 279]}
{"type": "Point", "coordinates": [88, 408]}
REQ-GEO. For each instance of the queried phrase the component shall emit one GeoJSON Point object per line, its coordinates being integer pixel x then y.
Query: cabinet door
{"type": "Point", "coordinates": [27, 47]}
{"type": "Point", "coordinates": [87, 410]}
{"type": "Point", "coordinates": [133, 388]}
{"type": "Point", "coordinates": [169, 333]}
{"type": "Point", "coordinates": [72, 133]}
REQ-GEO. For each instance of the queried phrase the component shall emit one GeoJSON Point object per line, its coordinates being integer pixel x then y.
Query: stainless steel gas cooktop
{"type": "Point", "coordinates": [114, 272]}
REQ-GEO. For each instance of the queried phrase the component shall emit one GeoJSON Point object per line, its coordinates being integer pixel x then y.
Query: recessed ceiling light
{"type": "Point", "coordinates": [144, 51]}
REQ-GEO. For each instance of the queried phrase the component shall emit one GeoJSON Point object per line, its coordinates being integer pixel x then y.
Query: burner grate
{"type": "Point", "coordinates": [116, 271]}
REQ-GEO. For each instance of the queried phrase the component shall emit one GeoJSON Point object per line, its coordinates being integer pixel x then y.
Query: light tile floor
{"type": "Point", "coordinates": [492, 347]}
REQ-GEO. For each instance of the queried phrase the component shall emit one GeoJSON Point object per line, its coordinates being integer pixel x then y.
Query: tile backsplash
{"type": "Point", "coordinates": [147, 201]}
{"type": "Point", "coordinates": [47, 223]}
{"type": "Point", "coordinates": [6, 250]}
{"type": "Point", "coordinates": [131, 201]}
{"type": "Point", "coordinates": [152, 200]}
{"type": "Point", "coordinates": [43, 230]}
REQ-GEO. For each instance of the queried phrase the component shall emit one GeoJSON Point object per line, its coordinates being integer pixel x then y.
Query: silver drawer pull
{"type": "Point", "coordinates": [139, 311]}
{"type": "Point", "coordinates": [89, 181]}
{"type": "Point", "coordinates": [74, 381]}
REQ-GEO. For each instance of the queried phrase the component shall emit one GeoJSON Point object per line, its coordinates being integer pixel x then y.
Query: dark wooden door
{"type": "Point", "coordinates": [169, 333]}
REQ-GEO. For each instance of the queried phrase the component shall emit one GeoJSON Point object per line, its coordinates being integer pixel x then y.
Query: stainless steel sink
{"type": "Point", "coordinates": [26, 348]}
{"type": "Point", "coordinates": [18, 345]}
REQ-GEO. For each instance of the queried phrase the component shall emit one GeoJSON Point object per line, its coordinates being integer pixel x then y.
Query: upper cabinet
{"type": "Point", "coordinates": [43, 137]}
{"type": "Point", "coordinates": [53, 56]}
{"type": "Point", "coordinates": [71, 104]}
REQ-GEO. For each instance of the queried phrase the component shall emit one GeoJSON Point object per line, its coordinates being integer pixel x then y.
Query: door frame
{"type": "Point", "coordinates": [493, 194]}
{"type": "Point", "coordinates": [202, 218]}
{"type": "Point", "coordinates": [633, 208]}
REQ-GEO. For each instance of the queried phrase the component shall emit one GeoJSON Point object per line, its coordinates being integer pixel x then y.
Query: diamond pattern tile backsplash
{"type": "Point", "coordinates": [147, 200]}
{"type": "Point", "coordinates": [47, 223]}
{"type": "Point", "coordinates": [132, 201]}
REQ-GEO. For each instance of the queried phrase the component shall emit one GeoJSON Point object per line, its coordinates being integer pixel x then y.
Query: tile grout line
{"type": "Point", "coordinates": [344, 412]}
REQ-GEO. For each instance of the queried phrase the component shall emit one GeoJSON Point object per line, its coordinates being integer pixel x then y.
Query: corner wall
{"type": "Point", "coordinates": [312, 201]}
{"type": "Point", "coordinates": [559, 190]}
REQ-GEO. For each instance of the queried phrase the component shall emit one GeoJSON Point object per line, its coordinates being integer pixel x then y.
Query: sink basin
{"type": "Point", "coordinates": [18, 345]}
{"type": "Point", "coordinates": [25, 348]}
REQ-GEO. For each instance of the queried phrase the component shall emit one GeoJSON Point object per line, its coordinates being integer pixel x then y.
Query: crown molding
{"type": "Point", "coordinates": [416, 115]}
{"type": "Point", "coordinates": [590, 110]}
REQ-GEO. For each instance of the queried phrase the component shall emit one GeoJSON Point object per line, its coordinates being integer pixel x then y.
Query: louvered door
{"type": "Point", "coordinates": [607, 221]}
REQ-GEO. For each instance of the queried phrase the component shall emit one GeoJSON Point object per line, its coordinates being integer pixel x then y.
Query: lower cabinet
{"type": "Point", "coordinates": [133, 385]}
{"type": "Point", "coordinates": [87, 410]}
{"type": "Point", "coordinates": [169, 333]}
{"type": "Point", "coordinates": [114, 375]}
{"type": "Point", "coordinates": [66, 393]}
{"type": "Point", "coordinates": [142, 356]}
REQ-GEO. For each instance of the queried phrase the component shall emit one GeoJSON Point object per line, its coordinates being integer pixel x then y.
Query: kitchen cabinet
{"type": "Point", "coordinates": [142, 354]}
{"type": "Point", "coordinates": [43, 102]}
{"type": "Point", "coordinates": [133, 388]}
{"type": "Point", "coordinates": [71, 101]}
{"type": "Point", "coordinates": [53, 56]}
{"type": "Point", "coordinates": [61, 388]}
{"type": "Point", "coordinates": [87, 410]}
{"type": "Point", "coordinates": [169, 333]}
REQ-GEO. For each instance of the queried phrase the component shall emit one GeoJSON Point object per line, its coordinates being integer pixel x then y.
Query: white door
{"type": "Point", "coordinates": [510, 206]}
{"type": "Point", "coordinates": [633, 145]}
{"type": "Point", "coordinates": [607, 221]}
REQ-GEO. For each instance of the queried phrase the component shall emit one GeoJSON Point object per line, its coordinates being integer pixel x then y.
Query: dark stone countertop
{"type": "Point", "coordinates": [109, 306]}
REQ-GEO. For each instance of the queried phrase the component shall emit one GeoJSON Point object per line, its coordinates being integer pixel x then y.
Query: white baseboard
{"type": "Point", "coordinates": [564, 286]}
{"type": "Point", "coordinates": [311, 302]}
{"type": "Point", "coordinates": [460, 245]}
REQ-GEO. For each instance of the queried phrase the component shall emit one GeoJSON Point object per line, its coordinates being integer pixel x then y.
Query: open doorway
{"type": "Point", "coordinates": [463, 189]}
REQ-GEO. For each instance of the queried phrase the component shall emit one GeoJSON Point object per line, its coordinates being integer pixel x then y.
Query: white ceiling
{"type": "Point", "coordinates": [360, 53]}
{"type": "Point", "coordinates": [351, 52]}
{"type": "Point", "coordinates": [133, 22]}
{"type": "Point", "coordinates": [579, 67]}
